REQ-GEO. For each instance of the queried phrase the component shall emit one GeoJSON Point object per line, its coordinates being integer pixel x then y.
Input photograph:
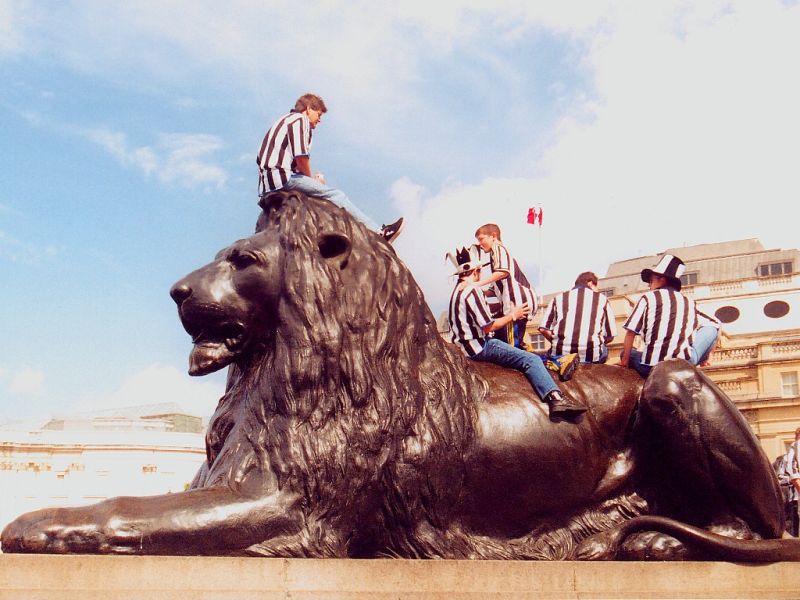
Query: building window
{"type": "Point", "coordinates": [689, 278]}
{"type": "Point", "coordinates": [727, 314]}
{"type": "Point", "coordinates": [789, 385]}
{"type": "Point", "coordinates": [607, 292]}
{"type": "Point", "coordinates": [773, 269]}
{"type": "Point", "coordinates": [776, 309]}
{"type": "Point", "coordinates": [538, 342]}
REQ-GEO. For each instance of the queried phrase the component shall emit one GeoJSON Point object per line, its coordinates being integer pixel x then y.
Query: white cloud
{"type": "Point", "coordinates": [186, 163]}
{"type": "Point", "coordinates": [25, 253]}
{"type": "Point", "coordinates": [116, 144]}
{"type": "Point", "coordinates": [179, 159]}
{"type": "Point", "coordinates": [26, 382]}
{"type": "Point", "coordinates": [692, 138]}
{"type": "Point", "coordinates": [11, 27]}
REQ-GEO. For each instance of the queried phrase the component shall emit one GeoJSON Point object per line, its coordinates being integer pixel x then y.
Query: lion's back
{"type": "Point", "coordinates": [524, 465]}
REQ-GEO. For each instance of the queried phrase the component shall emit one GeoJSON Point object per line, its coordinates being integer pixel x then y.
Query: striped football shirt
{"type": "Point", "coordinates": [468, 315]}
{"type": "Point", "coordinates": [288, 138]}
{"type": "Point", "coordinates": [666, 320]}
{"type": "Point", "coordinates": [514, 289]}
{"type": "Point", "coordinates": [580, 320]}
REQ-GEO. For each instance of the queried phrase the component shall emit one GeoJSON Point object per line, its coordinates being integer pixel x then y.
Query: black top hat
{"type": "Point", "coordinates": [670, 267]}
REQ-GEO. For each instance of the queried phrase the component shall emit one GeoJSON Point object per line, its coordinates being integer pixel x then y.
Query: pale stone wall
{"type": "Point", "coordinates": [44, 577]}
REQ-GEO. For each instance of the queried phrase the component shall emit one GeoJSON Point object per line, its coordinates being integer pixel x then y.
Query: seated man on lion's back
{"type": "Point", "coordinates": [669, 322]}
{"type": "Point", "coordinates": [284, 162]}
{"type": "Point", "coordinates": [471, 322]}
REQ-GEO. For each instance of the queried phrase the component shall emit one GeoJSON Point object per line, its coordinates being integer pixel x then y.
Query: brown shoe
{"type": "Point", "coordinates": [561, 406]}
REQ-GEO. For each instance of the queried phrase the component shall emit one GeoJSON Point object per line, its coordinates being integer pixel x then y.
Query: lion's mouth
{"type": "Point", "coordinates": [217, 338]}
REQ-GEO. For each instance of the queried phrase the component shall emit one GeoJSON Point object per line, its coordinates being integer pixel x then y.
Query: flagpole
{"type": "Point", "coordinates": [541, 260]}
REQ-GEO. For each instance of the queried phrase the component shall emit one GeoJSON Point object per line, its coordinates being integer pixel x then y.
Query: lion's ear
{"type": "Point", "coordinates": [335, 247]}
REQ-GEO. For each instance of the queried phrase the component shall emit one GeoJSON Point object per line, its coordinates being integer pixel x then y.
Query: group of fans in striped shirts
{"type": "Point", "coordinates": [578, 323]}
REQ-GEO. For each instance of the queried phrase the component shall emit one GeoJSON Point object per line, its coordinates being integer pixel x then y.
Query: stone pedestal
{"type": "Point", "coordinates": [43, 577]}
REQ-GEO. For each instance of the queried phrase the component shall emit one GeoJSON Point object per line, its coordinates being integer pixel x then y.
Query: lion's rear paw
{"type": "Point", "coordinates": [600, 546]}
{"type": "Point", "coordinates": [651, 545]}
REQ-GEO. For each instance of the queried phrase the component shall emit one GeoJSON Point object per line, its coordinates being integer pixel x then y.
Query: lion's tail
{"type": "Point", "coordinates": [713, 546]}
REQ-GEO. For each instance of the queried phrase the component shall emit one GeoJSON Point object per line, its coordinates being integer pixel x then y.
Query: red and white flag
{"type": "Point", "coordinates": [535, 215]}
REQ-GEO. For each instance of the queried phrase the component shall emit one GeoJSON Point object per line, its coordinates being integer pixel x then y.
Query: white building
{"type": "Point", "coordinates": [75, 461]}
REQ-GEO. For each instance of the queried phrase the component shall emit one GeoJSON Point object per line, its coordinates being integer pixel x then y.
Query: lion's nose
{"type": "Point", "coordinates": [180, 292]}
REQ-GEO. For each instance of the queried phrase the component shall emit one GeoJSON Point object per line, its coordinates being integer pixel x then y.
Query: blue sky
{"type": "Point", "coordinates": [128, 134]}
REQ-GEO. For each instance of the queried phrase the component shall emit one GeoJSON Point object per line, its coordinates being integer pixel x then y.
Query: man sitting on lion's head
{"type": "Point", "coordinates": [471, 322]}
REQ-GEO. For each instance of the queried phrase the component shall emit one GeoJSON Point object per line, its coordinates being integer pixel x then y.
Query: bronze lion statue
{"type": "Point", "coordinates": [349, 428]}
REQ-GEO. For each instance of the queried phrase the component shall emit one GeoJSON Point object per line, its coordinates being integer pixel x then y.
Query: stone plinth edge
{"type": "Point", "coordinates": [48, 577]}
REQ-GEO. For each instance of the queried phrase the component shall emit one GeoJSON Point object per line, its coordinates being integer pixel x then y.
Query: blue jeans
{"type": "Point", "coordinates": [500, 353]}
{"type": "Point", "coordinates": [311, 187]}
{"type": "Point", "coordinates": [704, 338]}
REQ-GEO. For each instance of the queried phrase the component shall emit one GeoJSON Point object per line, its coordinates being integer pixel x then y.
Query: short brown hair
{"type": "Point", "coordinates": [488, 229]}
{"type": "Point", "coordinates": [311, 101]}
{"type": "Point", "coordinates": [586, 278]}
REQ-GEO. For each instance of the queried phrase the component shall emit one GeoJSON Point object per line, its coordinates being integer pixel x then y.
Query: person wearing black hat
{"type": "Point", "coordinates": [471, 323]}
{"type": "Point", "coordinates": [669, 322]}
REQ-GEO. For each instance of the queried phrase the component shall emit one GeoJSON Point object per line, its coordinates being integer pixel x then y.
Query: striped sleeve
{"type": "Point", "coordinates": [298, 136]}
{"type": "Point", "coordinates": [501, 259]}
{"type": "Point", "coordinates": [635, 322]}
{"type": "Point", "coordinates": [550, 316]}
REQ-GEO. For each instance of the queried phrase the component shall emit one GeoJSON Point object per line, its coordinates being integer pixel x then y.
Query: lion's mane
{"type": "Point", "coordinates": [353, 396]}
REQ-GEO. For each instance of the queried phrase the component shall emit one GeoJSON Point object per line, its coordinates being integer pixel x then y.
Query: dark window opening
{"type": "Point", "coordinates": [689, 279]}
{"type": "Point", "coordinates": [727, 314]}
{"type": "Point", "coordinates": [776, 309]}
{"type": "Point", "coordinates": [773, 269]}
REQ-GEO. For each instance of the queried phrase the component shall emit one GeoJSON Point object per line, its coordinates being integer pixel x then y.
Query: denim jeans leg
{"type": "Point", "coordinates": [505, 355]}
{"type": "Point", "coordinates": [519, 333]}
{"type": "Point", "coordinates": [704, 338]}
{"type": "Point", "coordinates": [312, 187]}
{"type": "Point", "coordinates": [635, 362]}
{"type": "Point", "coordinates": [603, 355]}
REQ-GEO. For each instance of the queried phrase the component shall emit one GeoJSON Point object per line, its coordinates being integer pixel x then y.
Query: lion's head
{"type": "Point", "coordinates": [230, 306]}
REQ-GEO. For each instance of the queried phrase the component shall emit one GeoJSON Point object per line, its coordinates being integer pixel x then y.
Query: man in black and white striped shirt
{"type": "Point", "coordinates": [668, 321]}
{"type": "Point", "coordinates": [511, 283]}
{"type": "Point", "coordinates": [580, 321]}
{"type": "Point", "coordinates": [470, 326]}
{"type": "Point", "coordinates": [284, 162]}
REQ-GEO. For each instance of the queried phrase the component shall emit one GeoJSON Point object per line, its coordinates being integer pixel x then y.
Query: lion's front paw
{"type": "Point", "coordinates": [66, 531]}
